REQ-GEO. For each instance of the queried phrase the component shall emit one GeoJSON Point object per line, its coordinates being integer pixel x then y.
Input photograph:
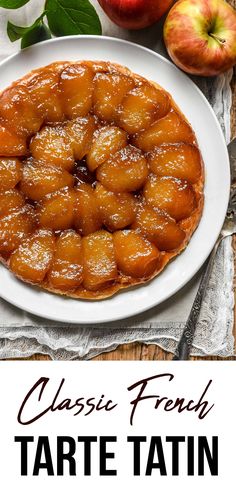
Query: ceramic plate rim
{"type": "Point", "coordinates": [86, 318]}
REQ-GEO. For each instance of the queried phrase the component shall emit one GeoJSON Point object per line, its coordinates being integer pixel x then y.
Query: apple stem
{"type": "Point", "coordinates": [220, 40]}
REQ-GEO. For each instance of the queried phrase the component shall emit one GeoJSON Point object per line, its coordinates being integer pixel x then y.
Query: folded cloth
{"type": "Point", "coordinates": [22, 334]}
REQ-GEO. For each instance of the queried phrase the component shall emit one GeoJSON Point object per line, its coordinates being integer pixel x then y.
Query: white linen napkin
{"type": "Point", "coordinates": [22, 334]}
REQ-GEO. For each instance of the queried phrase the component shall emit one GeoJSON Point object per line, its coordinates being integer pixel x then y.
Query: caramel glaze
{"type": "Point", "coordinates": [84, 176]}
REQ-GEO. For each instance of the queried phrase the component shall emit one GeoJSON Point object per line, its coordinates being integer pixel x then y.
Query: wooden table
{"type": "Point", "coordinates": [144, 352]}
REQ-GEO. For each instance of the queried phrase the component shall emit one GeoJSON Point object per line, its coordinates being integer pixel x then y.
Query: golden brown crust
{"type": "Point", "coordinates": [188, 225]}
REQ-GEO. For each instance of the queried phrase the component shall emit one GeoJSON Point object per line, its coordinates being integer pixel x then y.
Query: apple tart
{"type": "Point", "coordinates": [101, 179]}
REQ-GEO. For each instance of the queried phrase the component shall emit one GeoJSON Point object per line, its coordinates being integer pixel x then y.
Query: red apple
{"type": "Point", "coordinates": [135, 14]}
{"type": "Point", "coordinates": [200, 36]}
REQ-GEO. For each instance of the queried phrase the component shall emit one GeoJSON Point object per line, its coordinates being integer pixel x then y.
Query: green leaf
{"type": "Point", "coordinates": [12, 4]}
{"type": "Point", "coordinates": [16, 32]}
{"type": "Point", "coordinates": [66, 17]}
{"type": "Point", "coordinates": [38, 33]}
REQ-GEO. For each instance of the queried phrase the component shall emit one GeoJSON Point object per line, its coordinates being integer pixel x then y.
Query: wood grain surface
{"type": "Point", "coordinates": [144, 352]}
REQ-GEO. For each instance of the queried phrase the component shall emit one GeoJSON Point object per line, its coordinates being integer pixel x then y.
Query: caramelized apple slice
{"type": "Point", "coordinates": [181, 160]}
{"type": "Point", "coordinates": [66, 272]}
{"type": "Point", "coordinates": [44, 92]}
{"type": "Point", "coordinates": [141, 107]}
{"type": "Point", "coordinates": [32, 259]}
{"type": "Point", "coordinates": [10, 200]}
{"type": "Point", "coordinates": [81, 133]}
{"type": "Point", "coordinates": [107, 141]}
{"type": "Point", "coordinates": [125, 171]}
{"type": "Point", "coordinates": [39, 179]}
{"type": "Point", "coordinates": [11, 144]}
{"type": "Point", "coordinates": [53, 146]}
{"type": "Point", "coordinates": [19, 112]}
{"type": "Point", "coordinates": [109, 91]}
{"type": "Point", "coordinates": [159, 228]}
{"type": "Point", "coordinates": [170, 129]}
{"type": "Point", "coordinates": [76, 84]}
{"type": "Point", "coordinates": [174, 196]}
{"type": "Point", "coordinates": [87, 215]}
{"type": "Point", "coordinates": [57, 210]}
{"type": "Point", "coordinates": [15, 227]}
{"type": "Point", "coordinates": [10, 173]}
{"type": "Point", "coordinates": [99, 260]}
{"type": "Point", "coordinates": [117, 210]}
{"type": "Point", "coordinates": [135, 255]}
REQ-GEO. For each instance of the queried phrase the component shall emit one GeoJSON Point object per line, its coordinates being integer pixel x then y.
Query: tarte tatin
{"type": "Point", "coordinates": [101, 179]}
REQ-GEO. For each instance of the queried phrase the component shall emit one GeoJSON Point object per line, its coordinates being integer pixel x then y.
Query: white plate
{"type": "Point", "coordinates": [214, 151]}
